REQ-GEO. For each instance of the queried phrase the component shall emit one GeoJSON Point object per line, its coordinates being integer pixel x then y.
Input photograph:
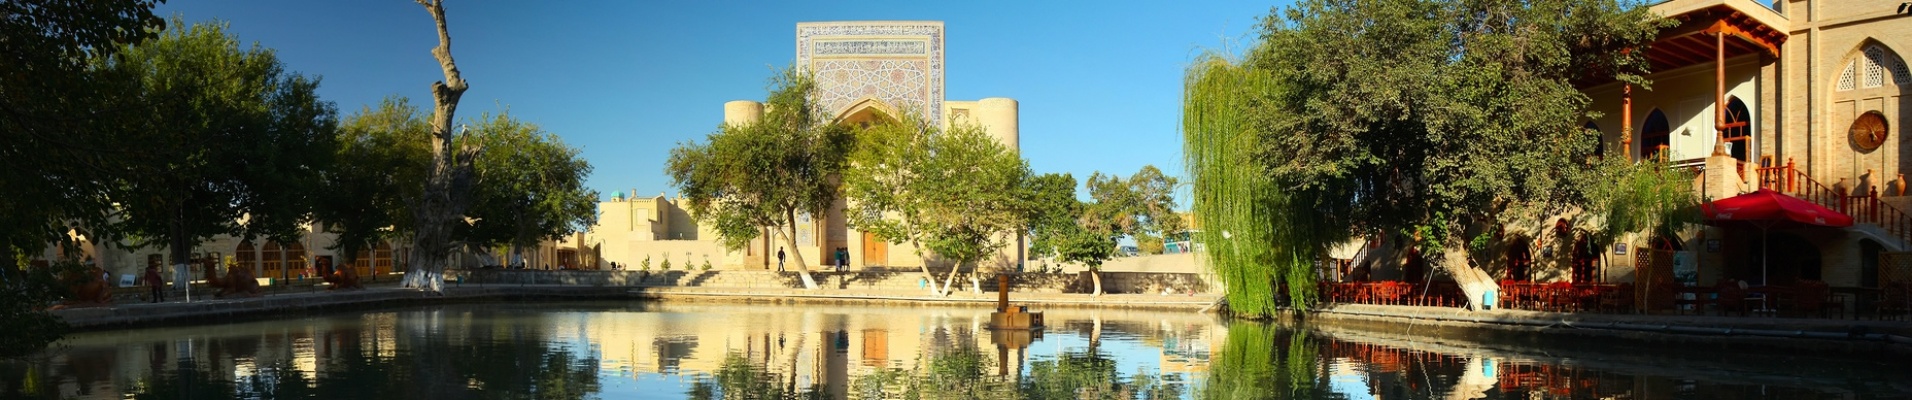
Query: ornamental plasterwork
{"type": "Point", "coordinates": [898, 63]}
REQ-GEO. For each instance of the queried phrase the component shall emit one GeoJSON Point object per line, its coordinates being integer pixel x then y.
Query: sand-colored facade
{"type": "Point", "coordinates": [1747, 95]}
{"type": "Point", "coordinates": [867, 72]}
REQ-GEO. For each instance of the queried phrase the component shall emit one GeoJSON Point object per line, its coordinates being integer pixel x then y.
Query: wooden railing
{"type": "Point", "coordinates": [1864, 208]}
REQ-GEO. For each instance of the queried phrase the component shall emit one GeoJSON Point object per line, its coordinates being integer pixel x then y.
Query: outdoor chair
{"type": "Point", "coordinates": [1618, 299]}
{"type": "Point", "coordinates": [1816, 296]}
{"type": "Point", "coordinates": [1895, 301]}
{"type": "Point", "coordinates": [1731, 298]}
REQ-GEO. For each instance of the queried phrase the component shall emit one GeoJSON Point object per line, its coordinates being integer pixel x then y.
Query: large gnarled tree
{"type": "Point", "coordinates": [448, 178]}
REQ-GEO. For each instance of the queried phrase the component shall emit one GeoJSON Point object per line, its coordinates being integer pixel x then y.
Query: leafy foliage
{"type": "Point", "coordinates": [530, 186]}
{"type": "Point", "coordinates": [229, 134]}
{"type": "Point", "coordinates": [1051, 211]}
{"type": "Point", "coordinates": [747, 177]}
{"type": "Point", "coordinates": [955, 193]}
{"type": "Point", "coordinates": [381, 163]}
{"type": "Point", "coordinates": [63, 135]}
{"type": "Point", "coordinates": [1420, 117]}
{"type": "Point", "coordinates": [1141, 206]}
{"type": "Point", "coordinates": [1646, 197]}
{"type": "Point", "coordinates": [62, 140]}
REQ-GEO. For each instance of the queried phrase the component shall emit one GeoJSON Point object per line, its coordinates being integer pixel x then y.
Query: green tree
{"type": "Point", "coordinates": [61, 136]}
{"type": "Point", "coordinates": [744, 178]}
{"type": "Point", "coordinates": [955, 193]}
{"type": "Point", "coordinates": [1141, 206]}
{"type": "Point", "coordinates": [1051, 212]}
{"type": "Point", "coordinates": [1396, 116]}
{"type": "Point", "coordinates": [381, 163]}
{"type": "Point", "coordinates": [1091, 246]}
{"type": "Point", "coordinates": [61, 142]}
{"type": "Point", "coordinates": [234, 142]}
{"type": "Point", "coordinates": [530, 186]}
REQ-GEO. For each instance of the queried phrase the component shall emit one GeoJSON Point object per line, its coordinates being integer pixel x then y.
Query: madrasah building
{"type": "Point", "coordinates": [866, 72]}
{"type": "Point", "coordinates": [1804, 97]}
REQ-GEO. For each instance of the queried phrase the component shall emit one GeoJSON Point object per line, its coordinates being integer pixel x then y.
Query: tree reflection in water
{"type": "Point", "coordinates": [487, 352]}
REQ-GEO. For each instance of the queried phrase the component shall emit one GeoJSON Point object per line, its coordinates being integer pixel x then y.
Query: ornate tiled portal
{"type": "Point", "coordinates": [897, 63]}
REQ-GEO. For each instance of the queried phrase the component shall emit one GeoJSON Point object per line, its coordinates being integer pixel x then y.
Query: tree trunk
{"type": "Point", "coordinates": [789, 232]}
{"type": "Point", "coordinates": [446, 181]}
{"type": "Point", "coordinates": [1095, 275]}
{"type": "Point", "coordinates": [950, 280]}
{"type": "Point", "coordinates": [1476, 284]}
{"type": "Point", "coordinates": [180, 248]}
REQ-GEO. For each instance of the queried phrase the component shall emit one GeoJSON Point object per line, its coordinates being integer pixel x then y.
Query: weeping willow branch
{"type": "Point", "coordinates": [1260, 234]}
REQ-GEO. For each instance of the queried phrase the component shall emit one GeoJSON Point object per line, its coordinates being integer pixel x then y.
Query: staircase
{"type": "Point", "coordinates": [1866, 208]}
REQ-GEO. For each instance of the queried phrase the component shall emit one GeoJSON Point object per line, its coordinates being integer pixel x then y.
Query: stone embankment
{"type": "Point", "coordinates": [1160, 290]}
{"type": "Point", "coordinates": [905, 280]}
{"type": "Point", "coordinates": [1039, 291]}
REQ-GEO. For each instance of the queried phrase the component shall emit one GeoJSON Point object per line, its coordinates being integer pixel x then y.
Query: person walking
{"type": "Point", "coordinates": [154, 281]}
{"type": "Point", "coordinates": [779, 259]}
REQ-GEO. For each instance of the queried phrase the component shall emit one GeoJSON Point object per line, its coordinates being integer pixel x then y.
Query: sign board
{"type": "Point", "coordinates": [1686, 267]}
{"type": "Point", "coordinates": [126, 280]}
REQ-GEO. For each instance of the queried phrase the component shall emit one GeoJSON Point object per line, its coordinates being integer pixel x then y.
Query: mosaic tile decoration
{"type": "Point", "coordinates": [899, 63]}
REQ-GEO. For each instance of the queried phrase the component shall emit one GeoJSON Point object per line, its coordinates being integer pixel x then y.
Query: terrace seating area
{"type": "Point", "coordinates": [1804, 299]}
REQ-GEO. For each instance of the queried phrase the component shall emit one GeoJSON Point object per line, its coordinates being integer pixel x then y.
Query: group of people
{"type": "Point", "coordinates": [842, 259]}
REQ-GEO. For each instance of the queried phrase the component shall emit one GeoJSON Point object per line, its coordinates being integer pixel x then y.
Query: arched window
{"type": "Point", "coordinates": [1520, 259]}
{"type": "Point", "coordinates": [1656, 136]}
{"type": "Point", "coordinates": [1600, 139]}
{"type": "Point", "coordinates": [1738, 130]}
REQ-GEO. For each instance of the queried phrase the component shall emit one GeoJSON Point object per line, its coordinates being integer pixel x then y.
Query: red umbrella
{"type": "Point", "coordinates": [1767, 209]}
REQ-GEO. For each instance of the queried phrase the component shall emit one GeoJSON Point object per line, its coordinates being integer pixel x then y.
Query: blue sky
{"type": "Point", "coordinates": [1099, 83]}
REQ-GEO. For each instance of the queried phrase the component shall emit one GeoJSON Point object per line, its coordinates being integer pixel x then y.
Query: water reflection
{"type": "Point", "coordinates": [627, 350]}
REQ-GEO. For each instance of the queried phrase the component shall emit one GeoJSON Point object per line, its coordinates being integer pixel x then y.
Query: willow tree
{"type": "Point", "coordinates": [746, 177]}
{"type": "Point", "coordinates": [448, 177]}
{"type": "Point", "coordinates": [1258, 235]}
{"type": "Point", "coordinates": [1422, 119]}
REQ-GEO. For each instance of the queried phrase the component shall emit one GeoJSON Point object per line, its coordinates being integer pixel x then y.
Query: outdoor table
{"type": "Point", "coordinates": [1769, 296]}
{"type": "Point", "coordinates": [1697, 296]}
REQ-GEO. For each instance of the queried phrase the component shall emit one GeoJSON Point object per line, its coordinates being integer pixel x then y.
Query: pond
{"type": "Point", "coordinates": [616, 350]}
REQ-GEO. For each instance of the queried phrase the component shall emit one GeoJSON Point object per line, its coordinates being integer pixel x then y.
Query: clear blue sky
{"type": "Point", "coordinates": [1099, 82]}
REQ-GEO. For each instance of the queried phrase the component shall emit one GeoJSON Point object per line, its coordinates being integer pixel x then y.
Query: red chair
{"type": "Point", "coordinates": [1731, 297]}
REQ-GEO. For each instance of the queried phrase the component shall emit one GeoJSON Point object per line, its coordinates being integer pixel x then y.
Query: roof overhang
{"type": "Point", "coordinates": [1746, 31]}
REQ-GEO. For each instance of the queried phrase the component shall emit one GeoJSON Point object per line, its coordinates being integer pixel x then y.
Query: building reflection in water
{"type": "Point", "coordinates": [616, 350]}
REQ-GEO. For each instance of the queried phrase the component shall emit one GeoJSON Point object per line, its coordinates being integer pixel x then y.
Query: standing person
{"type": "Point", "coordinates": [780, 259]}
{"type": "Point", "coordinates": [843, 259]}
{"type": "Point", "coordinates": [154, 281]}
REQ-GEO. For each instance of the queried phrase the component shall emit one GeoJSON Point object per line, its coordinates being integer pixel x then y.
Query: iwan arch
{"type": "Point", "coordinates": [867, 72]}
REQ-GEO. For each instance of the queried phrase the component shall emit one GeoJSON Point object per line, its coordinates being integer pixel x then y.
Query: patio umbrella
{"type": "Point", "coordinates": [1766, 209]}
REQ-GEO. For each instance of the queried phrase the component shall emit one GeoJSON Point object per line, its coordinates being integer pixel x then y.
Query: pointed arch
{"type": "Point", "coordinates": [1870, 65]}
{"type": "Point", "coordinates": [1738, 130]}
{"type": "Point", "coordinates": [1656, 135]}
{"type": "Point", "coordinates": [867, 111]}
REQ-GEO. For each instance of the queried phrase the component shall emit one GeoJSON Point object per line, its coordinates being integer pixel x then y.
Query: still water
{"type": "Point", "coordinates": [580, 350]}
